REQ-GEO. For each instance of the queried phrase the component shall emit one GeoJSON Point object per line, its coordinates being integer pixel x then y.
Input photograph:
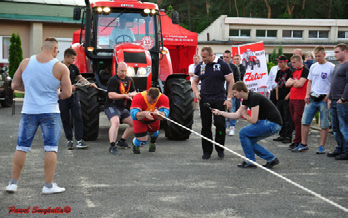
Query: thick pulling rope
{"type": "Point", "coordinates": [84, 82]}
{"type": "Point", "coordinates": [262, 167]}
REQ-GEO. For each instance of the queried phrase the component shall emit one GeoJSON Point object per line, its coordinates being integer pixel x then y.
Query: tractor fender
{"type": "Point", "coordinates": [81, 61]}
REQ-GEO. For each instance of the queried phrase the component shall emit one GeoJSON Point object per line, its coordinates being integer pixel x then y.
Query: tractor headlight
{"type": "Point", "coordinates": [142, 71]}
{"type": "Point", "coordinates": [130, 71]}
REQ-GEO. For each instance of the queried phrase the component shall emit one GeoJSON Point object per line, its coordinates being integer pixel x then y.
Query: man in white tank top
{"type": "Point", "coordinates": [40, 77]}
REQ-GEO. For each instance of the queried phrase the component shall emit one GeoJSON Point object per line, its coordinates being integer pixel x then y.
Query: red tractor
{"type": "Point", "coordinates": [128, 31]}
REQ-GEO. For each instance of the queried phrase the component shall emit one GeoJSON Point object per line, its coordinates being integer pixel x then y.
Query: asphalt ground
{"type": "Point", "coordinates": [172, 182]}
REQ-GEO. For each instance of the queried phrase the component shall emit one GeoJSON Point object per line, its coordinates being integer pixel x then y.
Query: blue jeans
{"type": "Point", "coordinates": [235, 107]}
{"type": "Point", "coordinates": [339, 120]}
{"type": "Point", "coordinates": [50, 126]}
{"type": "Point", "coordinates": [252, 133]}
{"type": "Point", "coordinates": [311, 109]}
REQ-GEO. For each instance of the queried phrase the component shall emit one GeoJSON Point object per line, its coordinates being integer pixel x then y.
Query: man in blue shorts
{"type": "Point", "coordinates": [40, 77]}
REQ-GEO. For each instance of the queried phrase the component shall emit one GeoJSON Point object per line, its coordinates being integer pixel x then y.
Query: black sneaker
{"type": "Point", "coordinates": [286, 140]}
{"type": "Point", "coordinates": [272, 163]}
{"type": "Point", "coordinates": [152, 147]}
{"type": "Point", "coordinates": [279, 139]}
{"type": "Point", "coordinates": [206, 156]}
{"type": "Point", "coordinates": [334, 153]}
{"type": "Point", "coordinates": [221, 154]}
{"type": "Point", "coordinates": [113, 150]}
{"type": "Point", "coordinates": [136, 150]}
{"type": "Point", "coordinates": [292, 145]}
{"type": "Point", "coordinates": [70, 145]}
{"type": "Point", "coordinates": [81, 144]}
{"type": "Point", "coordinates": [122, 145]}
{"type": "Point", "coordinates": [244, 164]}
{"type": "Point", "coordinates": [342, 157]}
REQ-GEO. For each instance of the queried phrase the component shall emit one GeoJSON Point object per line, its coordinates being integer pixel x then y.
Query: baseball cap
{"type": "Point", "coordinates": [282, 58]}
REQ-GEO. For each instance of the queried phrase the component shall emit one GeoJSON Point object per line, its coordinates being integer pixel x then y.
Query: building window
{"type": "Point", "coordinates": [318, 34]}
{"type": "Point", "coordinates": [240, 33]}
{"type": "Point", "coordinates": [343, 34]}
{"type": "Point", "coordinates": [4, 46]}
{"type": "Point", "coordinates": [296, 34]}
{"type": "Point", "coordinates": [266, 33]}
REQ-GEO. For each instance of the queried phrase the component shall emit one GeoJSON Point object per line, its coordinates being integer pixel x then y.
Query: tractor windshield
{"type": "Point", "coordinates": [126, 26]}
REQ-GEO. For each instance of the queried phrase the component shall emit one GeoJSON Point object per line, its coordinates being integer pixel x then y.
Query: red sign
{"type": "Point", "coordinates": [147, 42]}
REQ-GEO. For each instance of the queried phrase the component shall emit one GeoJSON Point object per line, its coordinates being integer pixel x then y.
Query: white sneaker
{"type": "Point", "coordinates": [53, 190]}
{"type": "Point", "coordinates": [11, 188]}
{"type": "Point", "coordinates": [231, 130]}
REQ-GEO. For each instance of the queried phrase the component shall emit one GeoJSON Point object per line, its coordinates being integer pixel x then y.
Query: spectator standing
{"type": "Point", "coordinates": [282, 97]}
{"type": "Point", "coordinates": [297, 51]}
{"type": "Point", "coordinates": [318, 88]}
{"type": "Point", "coordinates": [120, 90]}
{"type": "Point", "coordinates": [309, 59]}
{"type": "Point", "coordinates": [235, 102]}
{"type": "Point", "coordinates": [40, 76]}
{"type": "Point", "coordinates": [72, 104]}
{"type": "Point", "coordinates": [265, 121]}
{"type": "Point", "coordinates": [212, 72]}
{"type": "Point", "coordinates": [191, 70]}
{"type": "Point", "coordinates": [298, 84]}
{"type": "Point", "coordinates": [242, 70]}
{"type": "Point", "coordinates": [339, 103]}
{"type": "Point", "coordinates": [271, 84]}
{"type": "Point", "coordinates": [196, 60]}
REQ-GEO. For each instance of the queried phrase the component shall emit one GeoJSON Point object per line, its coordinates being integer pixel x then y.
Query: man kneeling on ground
{"type": "Point", "coordinates": [145, 106]}
{"type": "Point", "coordinates": [265, 121]}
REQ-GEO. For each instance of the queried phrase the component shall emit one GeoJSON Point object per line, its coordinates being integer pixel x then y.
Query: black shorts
{"type": "Point", "coordinates": [110, 112]}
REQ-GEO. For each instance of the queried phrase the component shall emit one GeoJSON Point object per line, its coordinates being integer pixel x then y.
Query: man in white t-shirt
{"type": "Point", "coordinates": [121, 33]}
{"type": "Point", "coordinates": [191, 70]}
{"type": "Point", "coordinates": [318, 88]}
{"type": "Point", "coordinates": [271, 84]}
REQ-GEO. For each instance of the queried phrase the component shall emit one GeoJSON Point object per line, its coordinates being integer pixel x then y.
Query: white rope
{"type": "Point", "coordinates": [86, 83]}
{"type": "Point", "coordinates": [262, 167]}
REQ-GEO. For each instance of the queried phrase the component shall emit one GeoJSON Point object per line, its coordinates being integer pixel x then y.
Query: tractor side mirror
{"type": "Point", "coordinates": [77, 13]}
{"type": "Point", "coordinates": [175, 17]}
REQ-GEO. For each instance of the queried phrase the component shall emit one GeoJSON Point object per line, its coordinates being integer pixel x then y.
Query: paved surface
{"type": "Point", "coordinates": [174, 181]}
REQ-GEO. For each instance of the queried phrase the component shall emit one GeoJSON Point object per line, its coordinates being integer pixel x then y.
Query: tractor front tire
{"type": "Point", "coordinates": [181, 100]}
{"type": "Point", "coordinates": [90, 112]}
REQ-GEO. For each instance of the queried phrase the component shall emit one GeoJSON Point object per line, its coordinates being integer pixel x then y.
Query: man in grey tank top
{"type": "Point", "coordinates": [40, 77]}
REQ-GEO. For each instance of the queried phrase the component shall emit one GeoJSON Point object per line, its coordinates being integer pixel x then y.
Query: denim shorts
{"type": "Point", "coordinates": [50, 126]}
{"type": "Point", "coordinates": [310, 111]}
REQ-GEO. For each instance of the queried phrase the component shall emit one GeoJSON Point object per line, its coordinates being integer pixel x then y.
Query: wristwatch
{"type": "Point", "coordinates": [229, 99]}
{"type": "Point", "coordinates": [344, 100]}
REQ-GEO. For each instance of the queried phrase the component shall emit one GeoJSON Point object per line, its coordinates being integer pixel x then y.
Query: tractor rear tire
{"type": "Point", "coordinates": [90, 112]}
{"type": "Point", "coordinates": [181, 100]}
{"type": "Point", "coordinates": [8, 102]}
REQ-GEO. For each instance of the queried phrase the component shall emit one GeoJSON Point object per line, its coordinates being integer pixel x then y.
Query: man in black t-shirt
{"type": "Point", "coordinates": [120, 90]}
{"type": "Point", "coordinates": [72, 104]}
{"type": "Point", "coordinates": [265, 121]}
{"type": "Point", "coordinates": [212, 72]}
{"type": "Point", "coordinates": [283, 97]}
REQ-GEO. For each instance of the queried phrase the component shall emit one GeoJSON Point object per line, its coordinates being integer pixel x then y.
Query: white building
{"type": "Point", "coordinates": [225, 32]}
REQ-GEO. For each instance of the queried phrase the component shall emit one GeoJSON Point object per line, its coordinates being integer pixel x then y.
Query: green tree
{"type": "Point", "coordinates": [15, 53]}
{"type": "Point", "coordinates": [273, 56]}
{"type": "Point", "coordinates": [280, 50]}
